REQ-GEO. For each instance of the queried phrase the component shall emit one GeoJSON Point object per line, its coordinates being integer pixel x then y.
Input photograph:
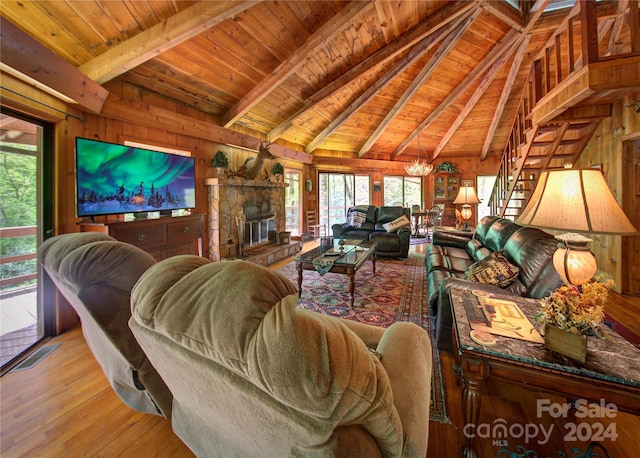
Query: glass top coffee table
{"type": "Point", "coordinates": [347, 261]}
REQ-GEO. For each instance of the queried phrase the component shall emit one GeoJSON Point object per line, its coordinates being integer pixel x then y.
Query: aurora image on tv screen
{"type": "Point", "coordinates": [112, 179]}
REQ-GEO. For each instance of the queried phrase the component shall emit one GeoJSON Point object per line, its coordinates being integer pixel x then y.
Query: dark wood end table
{"type": "Point", "coordinates": [616, 379]}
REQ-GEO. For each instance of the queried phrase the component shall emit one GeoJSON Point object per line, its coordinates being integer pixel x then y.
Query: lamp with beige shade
{"type": "Point", "coordinates": [466, 196]}
{"type": "Point", "coordinates": [576, 200]}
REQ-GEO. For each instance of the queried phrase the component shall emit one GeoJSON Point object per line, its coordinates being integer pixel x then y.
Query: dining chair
{"type": "Point", "coordinates": [315, 229]}
{"type": "Point", "coordinates": [430, 221]}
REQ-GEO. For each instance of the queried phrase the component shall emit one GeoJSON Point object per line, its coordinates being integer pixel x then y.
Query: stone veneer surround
{"type": "Point", "coordinates": [236, 200]}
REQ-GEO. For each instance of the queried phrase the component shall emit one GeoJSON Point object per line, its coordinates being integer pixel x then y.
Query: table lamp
{"type": "Point", "coordinates": [466, 196]}
{"type": "Point", "coordinates": [575, 200]}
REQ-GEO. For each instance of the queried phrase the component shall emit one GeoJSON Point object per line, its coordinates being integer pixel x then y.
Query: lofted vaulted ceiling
{"type": "Point", "coordinates": [371, 79]}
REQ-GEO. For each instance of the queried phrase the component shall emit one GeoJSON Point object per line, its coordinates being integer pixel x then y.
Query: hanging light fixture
{"type": "Point", "coordinates": [419, 168]}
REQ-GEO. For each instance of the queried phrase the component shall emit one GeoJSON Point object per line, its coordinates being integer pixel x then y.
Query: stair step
{"type": "Point", "coordinates": [538, 144]}
{"type": "Point", "coordinates": [547, 128]}
{"type": "Point", "coordinates": [578, 125]}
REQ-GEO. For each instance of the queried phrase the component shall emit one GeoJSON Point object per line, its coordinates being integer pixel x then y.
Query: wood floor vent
{"type": "Point", "coordinates": [35, 358]}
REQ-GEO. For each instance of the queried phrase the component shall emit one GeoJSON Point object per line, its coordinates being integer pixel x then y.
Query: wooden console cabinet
{"type": "Point", "coordinates": [160, 237]}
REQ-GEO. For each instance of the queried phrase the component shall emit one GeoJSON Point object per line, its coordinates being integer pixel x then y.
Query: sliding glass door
{"type": "Point", "coordinates": [25, 176]}
{"type": "Point", "coordinates": [339, 191]}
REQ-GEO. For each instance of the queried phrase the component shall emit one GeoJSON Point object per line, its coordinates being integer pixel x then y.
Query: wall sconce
{"type": "Point", "coordinates": [308, 185]}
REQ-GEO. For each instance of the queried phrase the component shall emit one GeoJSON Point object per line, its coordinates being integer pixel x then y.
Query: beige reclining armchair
{"type": "Point", "coordinates": [254, 375]}
{"type": "Point", "coordinates": [96, 273]}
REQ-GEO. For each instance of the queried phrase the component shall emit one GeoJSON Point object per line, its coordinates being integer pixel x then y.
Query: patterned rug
{"type": "Point", "coordinates": [397, 292]}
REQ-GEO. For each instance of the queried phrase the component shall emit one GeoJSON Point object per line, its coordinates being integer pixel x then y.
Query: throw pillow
{"type": "Point", "coordinates": [357, 218]}
{"type": "Point", "coordinates": [397, 223]}
{"type": "Point", "coordinates": [494, 270]}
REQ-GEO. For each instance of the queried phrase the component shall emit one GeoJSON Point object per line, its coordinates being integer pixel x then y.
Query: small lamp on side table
{"type": "Point", "coordinates": [466, 196]}
{"type": "Point", "coordinates": [575, 200]}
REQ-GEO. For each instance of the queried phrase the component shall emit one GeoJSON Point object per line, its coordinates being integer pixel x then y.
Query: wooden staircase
{"type": "Point", "coordinates": [532, 149]}
{"type": "Point", "coordinates": [569, 92]}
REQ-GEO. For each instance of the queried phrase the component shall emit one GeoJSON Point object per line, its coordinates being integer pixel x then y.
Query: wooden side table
{"type": "Point", "coordinates": [616, 380]}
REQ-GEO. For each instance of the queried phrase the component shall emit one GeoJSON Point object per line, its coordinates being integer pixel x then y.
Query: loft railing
{"type": "Point", "coordinates": [590, 33]}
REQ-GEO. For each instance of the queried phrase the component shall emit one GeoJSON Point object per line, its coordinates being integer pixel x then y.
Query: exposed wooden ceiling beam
{"type": "Point", "coordinates": [473, 100]}
{"type": "Point", "coordinates": [155, 117]}
{"type": "Point", "coordinates": [345, 18]}
{"type": "Point", "coordinates": [489, 60]}
{"type": "Point", "coordinates": [161, 37]}
{"type": "Point", "coordinates": [509, 42]}
{"type": "Point", "coordinates": [443, 50]}
{"type": "Point", "coordinates": [506, 91]}
{"type": "Point", "coordinates": [505, 12]}
{"type": "Point", "coordinates": [444, 18]}
{"type": "Point", "coordinates": [416, 52]}
{"type": "Point", "coordinates": [28, 57]}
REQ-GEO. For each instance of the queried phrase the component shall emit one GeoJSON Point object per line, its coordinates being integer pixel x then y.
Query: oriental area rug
{"type": "Point", "coordinates": [397, 292]}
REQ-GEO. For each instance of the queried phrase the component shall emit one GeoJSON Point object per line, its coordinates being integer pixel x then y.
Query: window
{"type": "Point", "coordinates": [404, 191]}
{"type": "Point", "coordinates": [337, 192]}
{"type": "Point", "coordinates": [292, 201]}
{"type": "Point", "coordinates": [485, 187]}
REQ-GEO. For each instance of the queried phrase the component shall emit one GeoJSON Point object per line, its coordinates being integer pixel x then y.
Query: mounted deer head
{"type": "Point", "coordinates": [252, 166]}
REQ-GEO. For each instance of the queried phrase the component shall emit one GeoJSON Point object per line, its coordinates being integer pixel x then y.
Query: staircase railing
{"type": "Point", "coordinates": [588, 34]}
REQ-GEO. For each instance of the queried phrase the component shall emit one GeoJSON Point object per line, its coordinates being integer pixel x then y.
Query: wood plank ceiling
{"type": "Point", "coordinates": [370, 79]}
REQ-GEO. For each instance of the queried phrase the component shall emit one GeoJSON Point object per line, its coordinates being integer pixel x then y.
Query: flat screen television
{"type": "Point", "coordinates": [114, 179]}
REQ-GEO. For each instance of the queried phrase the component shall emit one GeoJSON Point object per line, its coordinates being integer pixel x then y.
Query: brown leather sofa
{"type": "Point", "coordinates": [393, 244]}
{"type": "Point", "coordinates": [450, 255]}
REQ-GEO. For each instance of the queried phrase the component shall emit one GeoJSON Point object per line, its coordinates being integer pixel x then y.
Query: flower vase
{"type": "Point", "coordinates": [566, 343]}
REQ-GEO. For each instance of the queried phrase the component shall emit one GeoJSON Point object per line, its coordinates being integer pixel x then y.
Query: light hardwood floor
{"type": "Point", "coordinates": [64, 407]}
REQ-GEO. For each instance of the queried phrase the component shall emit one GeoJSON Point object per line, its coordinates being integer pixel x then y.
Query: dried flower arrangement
{"type": "Point", "coordinates": [576, 309]}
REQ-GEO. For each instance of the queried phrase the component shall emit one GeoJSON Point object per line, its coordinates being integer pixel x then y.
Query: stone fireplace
{"type": "Point", "coordinates": [245, 218]}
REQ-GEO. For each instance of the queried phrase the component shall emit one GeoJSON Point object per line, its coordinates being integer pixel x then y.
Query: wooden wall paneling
{"type": "Point", "coordinates": [631, 205]}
